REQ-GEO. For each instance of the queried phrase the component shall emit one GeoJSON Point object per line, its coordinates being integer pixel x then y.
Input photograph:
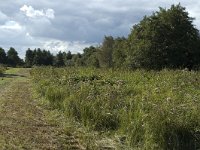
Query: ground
{"type": "Point", "coordinates": [24, 124]}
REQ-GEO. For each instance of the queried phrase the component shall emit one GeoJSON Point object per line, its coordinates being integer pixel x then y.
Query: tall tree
{"type": "Point", "coordinates": [59, 59]}
{"type": "Point", "coordinates": [68, 55]}
{"type": "Point", "coordinates": [89, 57]}
{"type": "Point", "coordinates": [48, 58]}
{"type": "Point", "coordinates": [119, 52]}
{"type": "Point", "coordinates": [3, 57]}
{"type": "Point", "coordinates": [105, 54]}
{"type": "Point", "coordinates": [29, 57]}
{"type": "Point", "coordinates": [167, 38]}
{"type": "Point", "coordinates": [37, 57]}
{"type": "Point", "coordinates": [13, 58]}
{"type": "Point", "coordinates": [77, 60]}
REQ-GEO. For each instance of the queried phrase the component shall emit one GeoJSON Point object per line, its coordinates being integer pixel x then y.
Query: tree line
{"type": "Point", "coordinates": [165, 39]}
{"type": "Point", "coordinates": [10, 58]}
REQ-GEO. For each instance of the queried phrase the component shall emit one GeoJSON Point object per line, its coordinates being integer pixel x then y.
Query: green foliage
{"type": "Point", "coordinates": [119, 52]}
{"type": "Point", "coordinates": [155, 43]}
{"type": "Point", "coordinates": [90, 57]}
{"type": "Point", "coordinates": [29, 58]}
{"type": "Point", "coordinates": [77, 60]}
{"type": "Point", "coordinates": [3, 57]}
{"type": "Point", "coordinates": [13, 58]}
{"type": "Point", "coordinates": [59, 59]}
{"type": "Point", "coordinates": [67, 59]}
{"type": "Point", "coordinates": [105, 53]}
{"type": "Point", "coordinates": [38, 57]}
{"type": "Point", "coordinates": [158, 41]}
{"type": "Point", "coordinates": [147, 109]}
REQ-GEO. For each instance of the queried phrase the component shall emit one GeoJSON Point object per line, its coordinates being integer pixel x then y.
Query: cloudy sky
{"type": "Point", "coordinates": [74, 24]}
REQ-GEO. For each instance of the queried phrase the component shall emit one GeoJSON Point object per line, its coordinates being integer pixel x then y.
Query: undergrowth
{"type": "Point", "coordinates": [144, 109]}
{"type": "Point", "coordinates": [2, 69]}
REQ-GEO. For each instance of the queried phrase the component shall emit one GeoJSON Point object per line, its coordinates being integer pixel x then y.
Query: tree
{"type": "Point", "coordinates": [59, 60]}
{"type": "Point", "coordinates": [13, 58]}
{"type": "Point", "coordinates": [167, 38]}
{"type": "Point", "coordinates": [77, 60]}
{"type": "Point", "coordinates": [47, 58]}
{"type": "Point", "coordinates": [68, 55]}
{"type": "Point", "coordinates": [89, 57]}
{"type": "Point", "coordinates": [105, 53]}
{"type": "Point", "coordinates": [119, 52]}
{"type": "Point", "coordinates": [3, 57]}
{"type": "Point", "coordinates": [29, 57]}
{"type": "Point", "coordinates": [37, 57]}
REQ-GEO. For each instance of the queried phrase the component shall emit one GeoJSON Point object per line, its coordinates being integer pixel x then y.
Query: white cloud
{"type": "Point", "coordinates": [11, 25]}
{"type": "Point", "coordinates": [50, 13]}
{"type": "Point", "coordinates": [58, 45]}
{"type": "Point", "coordinates": [33, 13]}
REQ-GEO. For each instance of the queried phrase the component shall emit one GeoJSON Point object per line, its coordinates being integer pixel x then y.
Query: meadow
{"type": "Point", "coordinates": [143, 109]}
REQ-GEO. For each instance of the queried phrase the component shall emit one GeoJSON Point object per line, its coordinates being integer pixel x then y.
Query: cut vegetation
{"type": "Point", "coordinates": [24, 124]}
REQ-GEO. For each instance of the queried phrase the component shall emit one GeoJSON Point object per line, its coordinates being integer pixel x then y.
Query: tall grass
{"type": "Point", "coordinates": [2, 69]}
{"type": "Point", "coordinates": [145, 109]}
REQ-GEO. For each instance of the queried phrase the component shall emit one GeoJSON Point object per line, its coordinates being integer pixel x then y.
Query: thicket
{"type": "Point", "coordinates": [145, 109]}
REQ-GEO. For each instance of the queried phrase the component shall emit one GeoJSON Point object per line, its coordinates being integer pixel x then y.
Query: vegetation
{"type": "Point", "coordinates": [156, 106]}
{"type": "Point", "coordinates": [145, 109]}
{"type": "Point", "coordinates": [155, 43]}
{"type": "Point", "coordinates": [10, 58]}
{"type": "Point", "coordinates": [158, 41]}
{"type": "Point", "coordinates": [2, 69]}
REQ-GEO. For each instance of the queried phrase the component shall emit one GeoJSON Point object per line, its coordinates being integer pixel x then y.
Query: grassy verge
{"type": "Point", "coordinates": [140, 109]}
{"type": "Point", "coordinates": [9, 74]}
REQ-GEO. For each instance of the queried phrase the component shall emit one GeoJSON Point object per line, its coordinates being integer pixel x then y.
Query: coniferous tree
{"type": "Point", "coordinates": [59, 59]}
{"type": "Point", "coordinates": [3, 57]}
{"type": "Point", "coordinates": [29, 57]}
{"type": "Point", "coordinates": [13, 58]}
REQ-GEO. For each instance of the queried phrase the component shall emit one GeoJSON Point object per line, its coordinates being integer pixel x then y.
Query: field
{"type": "Point", "coordinates": [133, 109]}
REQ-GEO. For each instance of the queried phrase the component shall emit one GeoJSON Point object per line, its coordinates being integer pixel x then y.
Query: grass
{"type": "Point", "coordinates": [25, 124]}
{"type": "Point", "coordinates": [2, 70]}
{"type": "Point", "coordinates": [138, 109]}
{"type": "Point", "coordinates": [9, 74]}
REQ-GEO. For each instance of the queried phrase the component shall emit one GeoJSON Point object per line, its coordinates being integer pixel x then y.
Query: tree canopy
{"type": "Point", "coordinates": [13, 58]}
{"type": "Point", "coordinates": [3, 57]}
{"type": "Point", "coordinates": [166, 39]}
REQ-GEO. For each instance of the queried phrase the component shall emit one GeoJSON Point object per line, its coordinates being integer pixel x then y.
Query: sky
{"type": "Point", "coordinates": [72, 25]}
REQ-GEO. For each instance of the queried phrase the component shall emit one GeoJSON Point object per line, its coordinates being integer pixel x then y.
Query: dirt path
{"type": "Point", "coordinates": [23, 123]}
